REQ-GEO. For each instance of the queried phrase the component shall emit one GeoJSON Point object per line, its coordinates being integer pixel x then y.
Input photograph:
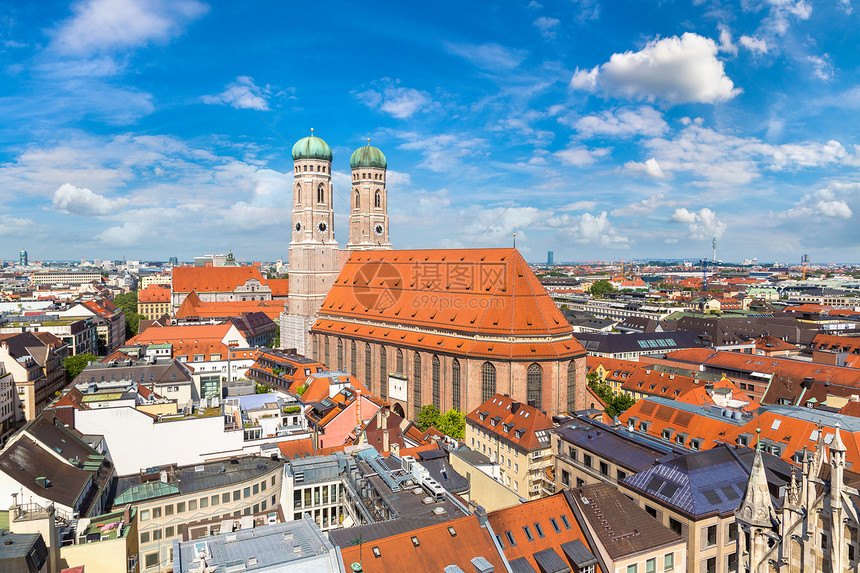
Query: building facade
{"type": "Point", "coordinates": [173, 497]}
{"type": "Point", "coordinates": [517, 437]}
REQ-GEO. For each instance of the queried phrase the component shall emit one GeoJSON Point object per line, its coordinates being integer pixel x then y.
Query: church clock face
{"type": "Point", "coordinates": [322, 226]}
{"type": "Point", "coordinates": [378, 229]}
{"type": "Point", "coordinates": [298, 227]}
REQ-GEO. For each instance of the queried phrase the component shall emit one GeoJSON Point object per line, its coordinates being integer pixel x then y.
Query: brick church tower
{"type": "Point", "coordinates": [314, 258]}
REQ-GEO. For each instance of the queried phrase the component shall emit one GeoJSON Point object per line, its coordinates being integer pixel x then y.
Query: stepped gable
{"type": "Point", "coordinates": [213, 279]}
{"type": "Point", "coordinates": [444, 299]}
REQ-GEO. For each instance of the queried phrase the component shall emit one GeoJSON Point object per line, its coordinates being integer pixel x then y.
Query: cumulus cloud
{"type": "Point", "coordinates": [579, 155]}
{"type": "Point", "coordinates": [595, 230]}
{"type": "Point", "coordinates": [396, 101]}
{"type": "Point", "coordinates": [650, 168]}
{"type": "Point", "coordinates": [701, 224]}
{"type": "Point", "coordinates": [754, 44]}
{"type": "Point", "coordinates": [674, 70]}
{"type": "Point", "coordinates": [99, 25]}
{"type": "Point", "coordinates": [73, 200]}
{"type": "Point", "coordinates": [488, 56]}
{"type": "Point", "coordinates": [643, 207]}
{"type": "Point", "coordinates": [820, 204]}
{"type": "Point", "coordinates": [622, 122]}
{"type": "Point", "coordinates": [241, 94]}
{"type": "Point", "coordinates": [128, 234]}
{"type": "Point", "coordinates": [547, 26]}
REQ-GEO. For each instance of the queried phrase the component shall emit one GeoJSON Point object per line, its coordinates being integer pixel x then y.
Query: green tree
{"type": "Point", "coordinates": [615, 404]}
{"type": "Point", "coordinates": [128, 303]}
{"type": "Point", "coordinates": [262, 389]}
{"type": "Point", "coordinates": [427, 416]}
{"type": "Point", "coordinates": [601, 287]}
{"type": "Point", "coordinates": [75, 365]}
{"type": "Point", "coordinates": [452, 423]}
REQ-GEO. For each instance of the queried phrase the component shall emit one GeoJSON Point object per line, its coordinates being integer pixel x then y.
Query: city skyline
{"type": "Point", "coordinates": [152, 129]}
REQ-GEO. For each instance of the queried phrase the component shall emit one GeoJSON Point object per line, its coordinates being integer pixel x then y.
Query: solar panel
{"type": "Point", "coordinates": [654, 484]}
{"type": "Point", "coordinates": [683, 418]}
{"type": "Point", "coordinates": [730, 492]}
{"type": "Point", "coordinates": [712, 497]}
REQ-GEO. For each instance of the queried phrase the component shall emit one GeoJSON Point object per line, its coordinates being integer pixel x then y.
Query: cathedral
{"type": "Point", "coordinates": [444, 327]}
{"type": "Point", "coordinates": [813, 525]}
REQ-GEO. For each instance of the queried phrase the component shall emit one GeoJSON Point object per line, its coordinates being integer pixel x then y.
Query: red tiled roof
{"type": "Point", "coordinates": [436, 549]}
{"type": "Point", "coordinates": [192, 306]}
{"type": "Point", "coordinates": [837, 343]}
{"type": "Point", "coordinates": [154, 294]}
{"type": "Point", "coordinates": [501, 412]}
{"type": "Point", "coordinates": [462, 293]}
{"type": "Point", "coordinates": [212, 279]}
{"type": "Point", "coordinates": [513, 519]}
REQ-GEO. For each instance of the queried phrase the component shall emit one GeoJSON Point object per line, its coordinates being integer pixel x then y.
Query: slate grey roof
{"type": "Point", "coordinates": [638, 342]}
{"type": "Point", "coordinates": [549, 562]}
{"type": "Point", "coordinates": [291, 546]}
{"type": "Point", "coordinates": [627, 450]}
{"type": "Point", "coordinates": [699, 484]}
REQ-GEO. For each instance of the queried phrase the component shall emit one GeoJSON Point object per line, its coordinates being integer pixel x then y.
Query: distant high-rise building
{"type": "Point", "coordinates": [549, 260]}
{"type": "Point", "coordinates": [22, 259]}
{"type": "Point", "coordinates": [174, 261]}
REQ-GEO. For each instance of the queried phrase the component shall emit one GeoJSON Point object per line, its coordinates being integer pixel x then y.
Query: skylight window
{"type": "Point", "coordinates": [528, 531]}
{"type": "Point", "coordinates": [775, 425]}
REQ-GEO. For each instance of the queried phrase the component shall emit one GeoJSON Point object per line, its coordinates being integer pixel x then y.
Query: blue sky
{"type": "Point", "coordinates": [599, 130]}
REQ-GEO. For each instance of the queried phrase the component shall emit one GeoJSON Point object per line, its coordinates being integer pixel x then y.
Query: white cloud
{"type": "Point", "coordinates": [488, 56]}
{"type": "Point", "coordinates": [674, 70]}
{"type": "Point", "coordinates": [14, 226]}
{"type": "Point", "coordinates": [396, 101]}
{"type": "Point", "coordinates": [442, 153]}
{"type": "Point", "coordinates": [547, 26]}
{"type": "Point", "coordinates": [595, 230]}
{"type": "Point", "coordinates": [128, 234]}
{"type": "Point", "coordinates": [821, 67]}
{"type": "Point", "coordinates": [622, 122]}
{"type": "Point", "coordinates": [754, 44]}
{"type": "Point", "coordinates": [701, 224]}
{"type": "Point", "coordinates": [241, 94]}
{"type": "Point", "coordinates": [73, 200]}
{"type": "Point", "coordinates": [643, 207]}
{"type": "Point", "coordinates": [823, 203]}
{"type": "Point", "coordinates": [579, 155]}
{"type": "Point", "coordinates": [99, 25]}
{"type": "Point", "coordinates": [726, 43]}
{"type": "Point", "coordinates": [650, 168]}
{"type": "Point", "coordinates": [730, 161]}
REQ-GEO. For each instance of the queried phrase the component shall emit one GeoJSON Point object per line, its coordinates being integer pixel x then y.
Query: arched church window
{"type": "Point", "coordinates": [304, 167]}
{"type": "Point", "coordinates": [455, 384]}
{"type": "Point", "coordinates": [383, 373]}
{"type": "Point", "coordinates": [378, 199]}
{"type": "Point", "coordinates": [339, 353]}
{"type": "Point", "coordinates": [368, 364]}
{"type": "Point", "coordinates": [571, 386]}
{"type": "Point", "coordinates": [533, 386]}
{"type": "Point", "coordinates": [298, 193]}
{"type": "Point", "coordinates": [353, 359]}
{"type": "Point", "coordinates": [357, 200]}
{"type": "Point", "coordinates": [416, 382]}
{"type": "Point", "coordinates": [399, 362]}
{"type": "Point", "coordinates": [488, 381]}
{"type": "Point", "coordinates": [321, 194]}
{"type": "Point", "coordinates": [437, 383]}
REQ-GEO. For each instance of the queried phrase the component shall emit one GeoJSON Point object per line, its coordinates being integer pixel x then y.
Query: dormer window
{"type": "Point", "coordinates": [520, 433]}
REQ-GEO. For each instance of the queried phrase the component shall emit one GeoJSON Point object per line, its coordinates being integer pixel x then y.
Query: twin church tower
{"type": "Point", "coordinates": [315, 258]}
